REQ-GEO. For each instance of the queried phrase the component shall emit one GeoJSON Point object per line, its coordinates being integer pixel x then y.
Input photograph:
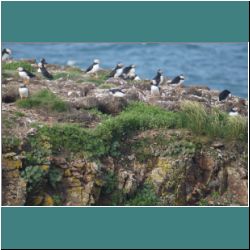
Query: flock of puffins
{"type": "Point", "coordinates": [120, 71]}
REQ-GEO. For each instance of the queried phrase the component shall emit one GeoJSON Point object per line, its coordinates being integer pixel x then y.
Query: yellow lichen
{"type": "Point", "coordinates": [67, 173]}
{"type": "Point", "coordinates": [163, 164]}
{"type": "Point", "coordinates": [48, 200]}
{"type": "Point", "coordinates": [45, 167]}
{"type": "Point", "coordinates": [11, 164]}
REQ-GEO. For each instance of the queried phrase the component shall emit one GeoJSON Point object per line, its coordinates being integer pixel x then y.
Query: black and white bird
{"type": "Point", "coordinates": [155, 89]}
{"type": "Point", "coordinates": [94, 67]}
{"type": "Point", "coordinates": [23, 91]}
{"type": "Point", "coordinates": [178, 80]}
{"type": "Point", "coordinates": [129, 72]}
{"type": "Point", "coordinates": [224, 95]}
{"type": "Point", "coordinates": [234, 111]}
{"type": "Point", "coordinates": [117, 71]}
{"type": "Point", "coordinates": [25, 74]}
{"type": "Point", "coordinates": [6, 53]}
{"type": "Point", "coordinates": [44, 71]}
{"type": "Point", "coordinates": [159, 78]}
{"type": "Point", "coordinates": [117, 92]}
{"type": "Point", "coordinates": [42, 62]}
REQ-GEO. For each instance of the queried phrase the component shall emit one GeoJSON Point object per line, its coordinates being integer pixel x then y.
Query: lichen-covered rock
{"type": "Point", "coordinates": [13, 185]}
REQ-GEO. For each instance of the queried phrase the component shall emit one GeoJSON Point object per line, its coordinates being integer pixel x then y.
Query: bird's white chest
{"type": "Point", "coordinates": [39, 70]}
{"type": "Point", "coordinates": [23, 75]}
{"type": "Point", "coordinates": [118, 94]}
{"type": "Point", "coordinates": [23, 92]}
{"type": "Point", "coordinates": [95, 68]}
{"type": "Point", "coordinates": [118, 73]}
{"type": "Point", "coordinates": [5, 56]}
{"type": "Point", "coordinates": [155, 90]}
{"type": "Point", "coordinates": [131, 72]}
{"type": "Point", "coordinates": [161, 79]}
{"type": "Point", "coordinates": [233, 113]}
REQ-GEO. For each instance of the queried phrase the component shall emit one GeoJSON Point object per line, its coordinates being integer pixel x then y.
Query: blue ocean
{"type": "Point", "coordinates": [216, 65]}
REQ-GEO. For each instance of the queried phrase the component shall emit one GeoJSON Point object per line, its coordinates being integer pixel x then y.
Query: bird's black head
{"type": "Point", "coordinates": [43, 61]}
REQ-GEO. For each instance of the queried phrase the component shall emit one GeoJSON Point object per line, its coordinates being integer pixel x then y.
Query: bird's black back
{"type": "Point", "coordinates": [90, 67]}
{"type": "Point", "coordinates": [114, 90]}
{"type": "Point", "coordinates": [176, 80]}
{"type": "Point", "coordinates": [127, 69]}
{"type": "Point", "coordinates": [31, 75]}
{"type": "Point", "coordinates": [113, 71]}
{"type": "Point", "coordinates": [46, 74]}
{"type": "Point", "coordinates": [157, 77]}
{"type": "Point", "coordinates": [224, 94]}
{"type": "Point", "coordinates": [4, 51]}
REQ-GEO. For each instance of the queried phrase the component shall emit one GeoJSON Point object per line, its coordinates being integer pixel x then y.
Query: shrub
{"type": "Point", "coordinates": [44, 99]}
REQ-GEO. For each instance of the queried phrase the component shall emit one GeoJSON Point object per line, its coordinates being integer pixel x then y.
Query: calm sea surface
{"type": "Point", "coordinates": [217, 66]}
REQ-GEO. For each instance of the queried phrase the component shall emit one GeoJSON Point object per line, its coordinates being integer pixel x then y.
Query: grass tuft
{"type": "Point", "coordinates": [44, 99]}
{"type": "Point", "coordinates": [15, 65]}
{"type": "Point", "coordinates": [212, 123]}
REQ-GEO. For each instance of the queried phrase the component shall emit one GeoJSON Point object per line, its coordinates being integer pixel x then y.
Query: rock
{"type": "Point", "coordinates": [218, 145]}
{"type": "Point", "coordinates": [126, 182]}
{"type": "Point", "coordinates": [237, 186]}
{"type": "Point", "coordinates": [88, 102]}
{"type": "Point", "coordinates": [112, 104]}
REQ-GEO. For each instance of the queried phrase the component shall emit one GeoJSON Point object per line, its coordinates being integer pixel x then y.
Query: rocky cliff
{"type": "Point", "coordinates": [73, 143]}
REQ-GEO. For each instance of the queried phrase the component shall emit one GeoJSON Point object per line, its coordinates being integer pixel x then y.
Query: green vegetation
{"type": "Point", "coordinates": [15, 65]}
{"type": "Point", "coordinates": [108, 137]}
{"type": "Point", "coordinates": [144, 197]}
{"type": "Point", "coordinates": [44, 99]}
{"type": "Point", "coordinates": [102, 76]}
{"type": "Point", "coordinates": [55, 176]}
{"type": "Point", "coordinates": [67, 75]}
{"type": "Point", "coordinates": [34, 175]}
{"type": "Point", "coordinates": [213, 123]}
{"type": "Point", "coordinates": [10, 143]}
{"type": "Point", "coordinates": [99, 114]}
{"type": "Point", "coordinates": [19, 114]}
{"type": "Point", "coordinates": [107, 86]}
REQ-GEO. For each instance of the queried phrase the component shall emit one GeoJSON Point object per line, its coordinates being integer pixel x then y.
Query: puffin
{"type": "Point", "coordinates": [43, 62]}
{"type": "Point", "coordinates": [224, 95]}
{"type": "Point", "coordinates": [6, 53]}
{"type": "Point", "coordinates": [117, 92]}
{"type": "Point", "coordinates": [117, 71]}
{"type": "Point", "coordinates": [44, 71]}
{"type": "Point", "coordinates": [25, 74]}
{"type": "Point", "coordinates": [159, 78]}
{"type": "Point", "coordinates": [234, 111]}
{"type": "Point", "coordinates": [94, 67]}
{"type": "Point", "coordinates": [129, 72]}
{"type": "Point", "coordinates": [23, 91]}
{"type": "Point", "coordinates": [155, 89]}
{"type": "Point", "coordinates": [178, 79]}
